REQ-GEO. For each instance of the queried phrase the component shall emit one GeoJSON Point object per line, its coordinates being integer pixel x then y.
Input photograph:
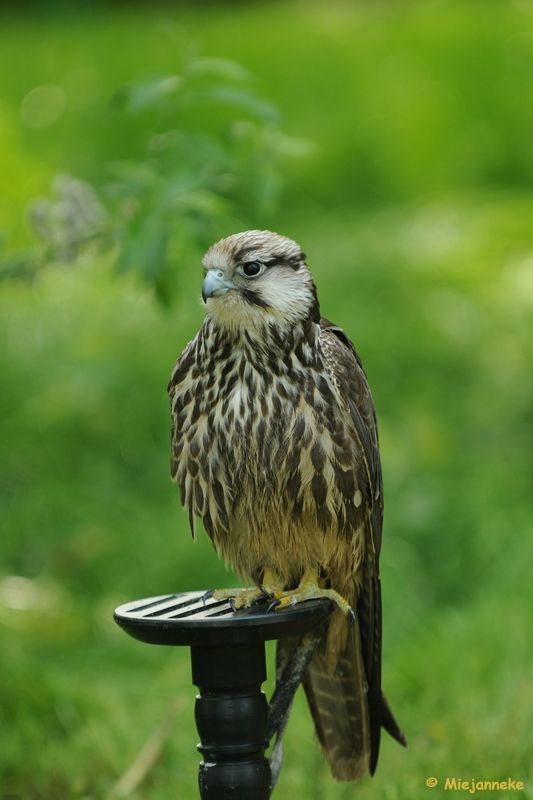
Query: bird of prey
{"type": "Point", "coordinates": [275, 449]}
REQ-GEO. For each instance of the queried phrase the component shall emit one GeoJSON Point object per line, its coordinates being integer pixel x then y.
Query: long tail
{"type": "Point", "coordinates": [348, 714]}
{"type": "Point", "coordinates": [338, 702]}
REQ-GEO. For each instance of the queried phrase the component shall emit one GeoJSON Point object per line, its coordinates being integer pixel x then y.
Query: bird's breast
{"type": "Point", "coordinates": [262, 440]}
{"type": "Point", "coordinates": [252, 417]}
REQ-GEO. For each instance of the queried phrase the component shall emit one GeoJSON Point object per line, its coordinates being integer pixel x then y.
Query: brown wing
{"type": "Point", "coordinates": [347, 370]}
{"type": "Point", "coordinates": [353, 382]}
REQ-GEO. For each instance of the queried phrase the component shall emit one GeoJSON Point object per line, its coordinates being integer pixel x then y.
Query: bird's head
{"type": "Point", "coordinates": [258, 277]}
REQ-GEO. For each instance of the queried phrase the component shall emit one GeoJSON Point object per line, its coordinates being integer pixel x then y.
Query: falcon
{"type": "Point", "coordinates": [275, 449]}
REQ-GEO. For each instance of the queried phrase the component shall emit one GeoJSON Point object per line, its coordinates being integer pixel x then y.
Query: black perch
{"type": "Point", "coordinates": [228, 667]}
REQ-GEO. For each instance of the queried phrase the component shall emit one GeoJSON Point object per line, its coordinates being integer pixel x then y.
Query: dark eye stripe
{"type": "Point", "coordinates": [253, 299]}
{"type": "Point", "coordinates": [274, 262]}
{"type": "Point", "coordinates": [294, 262]}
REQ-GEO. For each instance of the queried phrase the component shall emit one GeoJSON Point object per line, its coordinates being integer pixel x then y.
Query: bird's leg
{"type": "Point", "coordinates": [289, 680]}
{"type": "Point", "coordinates": [244, 598]}
{"type": "Point", "coordinates": [308, 589]}
{"type": "Point", "coordinates": [289, 675]}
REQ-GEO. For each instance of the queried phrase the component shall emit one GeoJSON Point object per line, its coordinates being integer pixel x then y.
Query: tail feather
{"type": "Point", "coordinates": [389, 723]}
{"type": "Point", "coordinates": [338, 703]}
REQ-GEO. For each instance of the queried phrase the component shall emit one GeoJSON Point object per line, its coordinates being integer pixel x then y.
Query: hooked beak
{"type": "Point", "coordinates": [216, 283]}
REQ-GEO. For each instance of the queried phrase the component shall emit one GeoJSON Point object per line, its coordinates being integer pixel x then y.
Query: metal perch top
{"type": "Point", "coordinates": [233, 718]}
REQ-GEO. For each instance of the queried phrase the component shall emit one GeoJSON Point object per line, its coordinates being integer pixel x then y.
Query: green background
{"type": "Point", "coordinates": [415, 210]}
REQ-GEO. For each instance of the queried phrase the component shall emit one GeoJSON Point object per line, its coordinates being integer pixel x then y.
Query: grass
{"type": "Point", "coordinates": [416, 213]}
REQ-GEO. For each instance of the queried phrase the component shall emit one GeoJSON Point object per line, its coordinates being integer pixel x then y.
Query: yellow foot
{"type": "Point", "coordinates": [240, 598]}
{"type": "Point", "coordinates": [308, 590]}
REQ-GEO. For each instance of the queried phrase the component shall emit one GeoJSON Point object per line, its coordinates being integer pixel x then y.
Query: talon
{"type": "Point", "coordinates": [273, 605]}
{"type": "Point", "coordinates": [231, 603]}
{"type": "Point", "coordinates": [268, 595]}
{"type": "Point", "coordinates": [351, 617]}
{"type": "Point", "coordinates": [208, 595]}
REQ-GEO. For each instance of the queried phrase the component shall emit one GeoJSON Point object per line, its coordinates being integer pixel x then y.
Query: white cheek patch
{"type": "Point", "coordinates": [288, 292]}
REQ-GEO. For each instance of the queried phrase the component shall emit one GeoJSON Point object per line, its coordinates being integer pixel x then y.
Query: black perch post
{"type": "Point", "coordinates": [228, 667]}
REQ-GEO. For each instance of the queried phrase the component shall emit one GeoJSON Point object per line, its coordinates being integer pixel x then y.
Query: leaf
{"type": "Point", "coordinates": [203, 203]}
{"type": "Point", "coordinates": [145, 248]}
{"type": "Point", "coordinates": [152, 92]}
{"type": "Point", "coordinates": [290, 146]}
{"type": "Point", "coordinates": [135, 177]}
{"type": "Point", "coordinates": [221, 67]}
{"type": "Point", "coordinates": [232, 98]}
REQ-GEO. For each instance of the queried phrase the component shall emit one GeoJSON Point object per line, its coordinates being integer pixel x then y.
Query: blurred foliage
{"type": "Point", "coordinates": [212, 161]}
{"type": "Point", "coordinates": [71, 219]}
{"type": "Point", "coordinates": [222, 157]}
{"type": "Point", "coordinates": [417, 217]}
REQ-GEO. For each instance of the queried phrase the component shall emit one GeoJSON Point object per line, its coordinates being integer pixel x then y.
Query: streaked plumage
{"type": "Point", "coordinates": [275, 448]}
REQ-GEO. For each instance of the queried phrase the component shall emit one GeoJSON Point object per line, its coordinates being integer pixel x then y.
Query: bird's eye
{"type": "Point", "coordinates": [252, 269]}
